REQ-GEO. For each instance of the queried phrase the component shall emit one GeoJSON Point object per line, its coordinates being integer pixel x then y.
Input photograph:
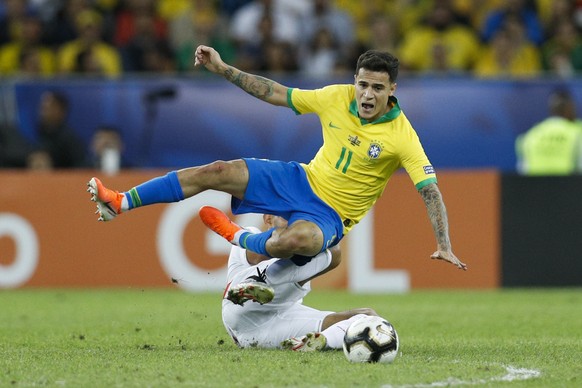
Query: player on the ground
{"type": "Point", "coordinates": [280, 321]}
{"type": "Point", "coordinates": [366, 138]}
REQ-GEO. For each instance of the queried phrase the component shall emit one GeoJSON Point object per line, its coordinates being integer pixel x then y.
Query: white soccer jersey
{"type": "Point", "coordinates": [285, 316]}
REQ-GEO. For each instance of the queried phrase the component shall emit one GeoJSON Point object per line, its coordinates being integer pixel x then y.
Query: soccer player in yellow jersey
{"type": "Point", "coordinates": [366, 138]}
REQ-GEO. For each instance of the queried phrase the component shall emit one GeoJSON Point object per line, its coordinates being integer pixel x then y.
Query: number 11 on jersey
{"type": "Point", "coordinates": [341, 159]}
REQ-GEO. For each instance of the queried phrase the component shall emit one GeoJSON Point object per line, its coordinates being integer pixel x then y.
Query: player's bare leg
{"type": "Point", "coordinates": [230, 177]}
{"type": "Point", "coordinates": [302, 238]}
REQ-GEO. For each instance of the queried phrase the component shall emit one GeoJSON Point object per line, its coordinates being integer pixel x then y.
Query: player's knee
{"type": "Point", "coordinates": [214, 175]}
{"type": "Point", "coordinates": [302, 238]}
{"type": "Point", "coordinates": [336, 257]}
{"type": "Point", "coordinates": [216, 168]}
{"type": "Point", "coordinates": [298, 243]}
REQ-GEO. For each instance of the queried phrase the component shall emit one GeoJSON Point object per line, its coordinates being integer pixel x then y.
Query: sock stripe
{"type": "Point", "coordinates": [135, 199]}
{"type": "Point", "coordinates": [243, 240]}
{"type": "Point", "coordinates": [256, 242]}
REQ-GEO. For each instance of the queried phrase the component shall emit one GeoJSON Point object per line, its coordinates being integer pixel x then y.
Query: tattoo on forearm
{"type": "Point", "coordinates": [437, 214]}
{"type": "Point", "coordinates": [254, 85]}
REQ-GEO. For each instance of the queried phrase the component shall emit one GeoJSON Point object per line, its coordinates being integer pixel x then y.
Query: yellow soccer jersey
{"type": "Point", "coordinates": [357, 158]}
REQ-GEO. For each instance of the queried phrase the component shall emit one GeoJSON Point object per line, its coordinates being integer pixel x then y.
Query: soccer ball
{"type": "Point", "coordinates": [371, 339]}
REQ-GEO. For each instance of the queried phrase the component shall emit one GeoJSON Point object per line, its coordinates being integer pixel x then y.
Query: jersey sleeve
{"type": "Point", "coordinates": [312, 101]}
{"type": "Point", "coordinates": [415, 162]}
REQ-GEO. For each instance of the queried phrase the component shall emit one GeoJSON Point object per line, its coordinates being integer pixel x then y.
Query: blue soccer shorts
{"type": "Point", "coordinates": [282, 189]}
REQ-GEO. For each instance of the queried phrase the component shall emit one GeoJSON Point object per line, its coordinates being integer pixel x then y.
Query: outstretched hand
{"type": "Point", "coordinates": [450, 257]}
{"type": "Point", "coordinates": [208, 57]}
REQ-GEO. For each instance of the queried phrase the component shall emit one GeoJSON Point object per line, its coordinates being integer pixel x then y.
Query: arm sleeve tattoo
{"type": "Point", "coordinates": [437, 213]}
{"type": "Point", "coordinates": [257, 86]}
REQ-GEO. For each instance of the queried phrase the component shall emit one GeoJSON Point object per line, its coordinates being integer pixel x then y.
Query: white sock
{"type": "Point", "coordinates": [236, 239]}
{"type": "Point", "coordinates": [124, 203]}
{"type": "Point", "coordinates": [335, 333]}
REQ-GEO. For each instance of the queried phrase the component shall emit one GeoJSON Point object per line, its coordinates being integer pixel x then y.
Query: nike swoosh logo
{"type": "Point", "coordinates": [333, 126]}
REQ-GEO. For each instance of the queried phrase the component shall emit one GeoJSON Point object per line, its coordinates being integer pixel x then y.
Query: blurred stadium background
{"type": "Point", "coordinates": [475, 75]}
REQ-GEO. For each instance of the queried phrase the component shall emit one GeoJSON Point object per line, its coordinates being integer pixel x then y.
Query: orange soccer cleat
{"type": "Point", "coordinates": [218, 222]}
{"type": "Point", "coordinates": [108, 201]}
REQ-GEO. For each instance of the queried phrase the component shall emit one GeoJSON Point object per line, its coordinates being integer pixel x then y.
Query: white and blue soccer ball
{"type": "Point", "coordinates": [371, 339]}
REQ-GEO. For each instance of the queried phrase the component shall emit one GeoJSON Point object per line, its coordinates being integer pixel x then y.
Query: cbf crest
{"type": "Point", "coordinates": [375, 150]}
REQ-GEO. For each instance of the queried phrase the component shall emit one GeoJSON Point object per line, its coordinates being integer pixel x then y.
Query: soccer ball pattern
{"type": "Point", "coordinates": [371, 339]}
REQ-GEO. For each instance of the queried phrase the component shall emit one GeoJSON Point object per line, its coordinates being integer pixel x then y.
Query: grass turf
{"type": "Point", "coordinates": [159, 338]}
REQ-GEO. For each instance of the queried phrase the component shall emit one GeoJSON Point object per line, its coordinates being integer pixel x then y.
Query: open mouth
{"type": "Point", "coordinates": [366, 107]}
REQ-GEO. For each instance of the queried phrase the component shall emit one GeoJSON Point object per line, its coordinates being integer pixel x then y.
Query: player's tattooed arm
{"type": "Point", "coordinates": [438, 217]}
{"type": "Point", "coordinates": [257, 86]}
{"type": "Point", "coordinates": [437, 213]}
{"type": "Point", "coordinates": [254, 85]}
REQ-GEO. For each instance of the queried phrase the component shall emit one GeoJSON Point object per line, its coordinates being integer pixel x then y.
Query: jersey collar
{"type": "Point", "coordinates": [388, 116]}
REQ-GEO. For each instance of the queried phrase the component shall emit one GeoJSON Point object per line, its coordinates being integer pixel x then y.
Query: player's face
{"type": "Point", "coordinates": [373, 88]}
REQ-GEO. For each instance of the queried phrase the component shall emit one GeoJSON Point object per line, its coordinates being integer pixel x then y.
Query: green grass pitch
{"type": "Point", "coordinates": [167, 338]}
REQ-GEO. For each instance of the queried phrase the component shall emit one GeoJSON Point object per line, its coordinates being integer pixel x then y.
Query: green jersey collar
{"type": "Point", "coordinates": [389, 116]}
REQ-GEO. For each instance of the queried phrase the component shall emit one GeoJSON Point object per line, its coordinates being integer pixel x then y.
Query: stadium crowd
{"type": "Point", "coordinates": [111, 38]}
{"type": "Point", "coordinates": [49, 39]}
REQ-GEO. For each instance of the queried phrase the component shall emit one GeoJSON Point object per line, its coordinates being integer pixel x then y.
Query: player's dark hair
{"type": "Point", "coordinates": [375, 60]}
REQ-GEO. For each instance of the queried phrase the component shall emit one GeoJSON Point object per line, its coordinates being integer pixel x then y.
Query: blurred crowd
{"type": "Point", "coordinates": [111, 38]}
{"type": "Point", "coordinates": [309, 38]}
{"type": "Point", "coordinates": [57, 145]}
